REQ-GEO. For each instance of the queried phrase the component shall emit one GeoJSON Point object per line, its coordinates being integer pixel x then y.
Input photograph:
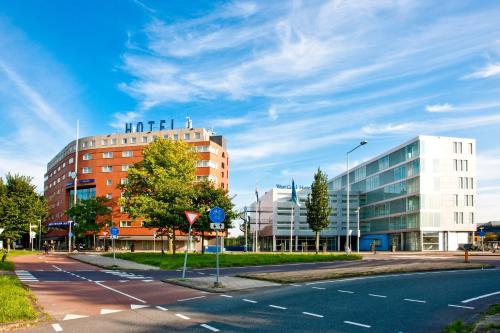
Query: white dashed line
{"type": "Point", "coordinates": [313, 314]}
{"type": "Point", "coordinates": [345, 291]}
{"type": "Point", "coordinates": [296, 285]}
{"type": "Point", "coordinates": [57, 327]}
{"type": "Point", "coordinates": [415, 300]}
{"type": "Point", "coordinates": [161, 308]}
{"type": "Point", "coordinates": [461, 306]}
{"type": "Point", "coordinates": [228, 296]}
{"type": "Point", "coordinates": [249, 300]}
{"type": "Point", "coordinates": [188, 299]}
{"type": "Point", "coordinates": [320, 288]}
{"type": "Point", "coordinates": [479, 297]}
{"type": "Point", "coordinates": [182, 316]}
{"type": "Point", "coordinates": [201, 274]}
{"type": "Point", "coordinates": [277, 307]}
{"type": "Point", "coordinates": [375, 295]}
{"type": "Point", "coordinates": [356, 324]}
{"type": "Point", "coordinates": [213, 329]}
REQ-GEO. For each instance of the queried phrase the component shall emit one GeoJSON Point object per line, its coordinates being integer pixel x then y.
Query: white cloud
{"type": "Point", "coordinates": [273, 113]}
{"type": "Point", "coordinates": [230, 122]}
{"type": "Point", "coordinates": [489, 70]}
{"type": "Point", "coordinates": [446, 107]}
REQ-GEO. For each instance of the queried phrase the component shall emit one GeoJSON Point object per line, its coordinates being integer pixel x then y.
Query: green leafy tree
{"type": "Point", "coordinates": [317, 204]}
{"type": "Point", "coordinates": [159, 187]}
{"type": "Point", "coordinates": [20, 207]}
{"type": "Point", "coordinates": [204, 197]}
{"type": "Point", "coordinates": [90, 216]}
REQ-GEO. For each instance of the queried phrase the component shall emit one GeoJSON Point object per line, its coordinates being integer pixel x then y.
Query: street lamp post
{"type": "Point", "coordinates": [348, 245]}
{"type": "Point", "coordinates": [358, 231]}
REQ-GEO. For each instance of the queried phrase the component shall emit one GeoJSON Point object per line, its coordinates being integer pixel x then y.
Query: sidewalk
{"type": "Point", "coordinates": [107, 262]}
{"type": "Point", "coordinates": [227, 283]}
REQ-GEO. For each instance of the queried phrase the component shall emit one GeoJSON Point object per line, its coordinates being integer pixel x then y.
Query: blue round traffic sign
{"type": "Point", "coordinates": [481, 233]}
{"type": "Point", "coordinates": [114, 231]}
{"type": "Point", "coordinates": [217, 215]}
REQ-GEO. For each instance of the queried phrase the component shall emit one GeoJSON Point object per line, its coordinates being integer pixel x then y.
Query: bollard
{"type": "Point", "coordinates": [466, 255]}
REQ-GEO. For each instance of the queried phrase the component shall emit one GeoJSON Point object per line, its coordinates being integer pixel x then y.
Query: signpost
{"type": "Point", "coordinates": [217, 217]}
{"type": "Point", "coordinates": [191, 217]}
{"type": "Point", "coordinates": [114, 231]}
{"type": "Point", "coordinates": [154, 242]}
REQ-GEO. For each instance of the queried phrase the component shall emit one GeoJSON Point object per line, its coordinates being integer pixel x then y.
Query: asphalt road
{"type": "Point", "coordinates": [418, 302]}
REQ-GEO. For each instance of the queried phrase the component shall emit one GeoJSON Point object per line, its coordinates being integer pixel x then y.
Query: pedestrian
{"type": "Point", "coordinates": [46, 247]}
{"type": "Point", "coordinates": [132, 247]}
{"type": "Point", "coordinates": [373, 248]}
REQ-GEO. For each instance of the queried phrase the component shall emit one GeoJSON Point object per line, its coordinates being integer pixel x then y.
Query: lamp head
{"type": "Point", "coordinates": [364, 142]}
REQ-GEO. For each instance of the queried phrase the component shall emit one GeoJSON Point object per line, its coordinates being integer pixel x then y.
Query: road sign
{"type": "Point", "coordinates": [71, 234]}
{"type": "Point", "coordinates": [114, 231]}
{"type": "Point", "coordinates": [1, 230]}
{"type": "Point", "coordinates": [481, 233]}
{"type": "Point", "coordinates": [217, 215]}
{"type": "Point", "coordinates": [114, 236]}
{"type": "Point", "coordinates": [191, 216]}
{"type": "Point", "coordinates": [32, 234]}
{"type": "Point", "coordinates": [217, 226]}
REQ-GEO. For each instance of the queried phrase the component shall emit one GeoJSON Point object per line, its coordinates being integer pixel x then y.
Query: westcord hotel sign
{"type": "Point", "coordinates": [288, 187]}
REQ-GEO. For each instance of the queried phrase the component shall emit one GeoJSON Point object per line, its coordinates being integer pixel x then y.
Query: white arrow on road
{"type": "Point", "coordinates": [137, 306]}
{"type": "Point", "coordinates": [107, 311]}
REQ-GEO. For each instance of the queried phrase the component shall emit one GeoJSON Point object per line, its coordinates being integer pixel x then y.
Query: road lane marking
{"type": "Point", "coordinates": [201, 273]}
{"type": "Point", "coordinates": [57, 327]}
{"type": "Point", "coordinates": [188, 299]}
{"type": "Point", "coordinates": [138, 306]}
{"type": "Point", "coordinates": [345, 291]}
{"type": "Point", "coordinates": [277, 307]}
{"type": "Point", "coordinates": [59, 269]}
{"type": "Point", "coordinates": [479, 297]}
{"type": "Point", "coordinates": [320, 288]}
{"type": "Point", "coordinates": [313, 314]}
{"type": "Point", "coordinates": [375, 295]}
{"type": "Point", "coordinates": [73, 316]}
{"type": "Point", "coordinates": [108, 311]}
{"type": "Point", "coordinates": [147, 280]}
{"type": "Point", "coordinates": [296, 285]}
{"type": "Point", "coordinates": [161, 308]}
{"type": "Point", "coordinates": [213, 329]}
{"type": "Point", "coordinates": [415, 300]}
{"type": "Point", "coordinates": [182, 316]}
{"type": "Point", "coordinates": [461, 306]}
{"type": "Point", "coordinates": [249, 300]}
{"type": "Point", "coordinates": [228, 296]}
{"type": "Point", "coordinates": [356, 324]}
{"type": "Point", "coordinates": [120, 292]}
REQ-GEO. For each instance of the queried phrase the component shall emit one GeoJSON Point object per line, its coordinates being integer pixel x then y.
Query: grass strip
{"type": "Point", "coordinates": [16, 301]}
{"type": "Point", "coordinates": [357, 271]}
{"type": "Point", "coordinates": [197, 260]}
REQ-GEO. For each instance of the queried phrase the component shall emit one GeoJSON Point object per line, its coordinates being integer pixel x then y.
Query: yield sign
{"type": "Point", "coordinates": [191, 216]}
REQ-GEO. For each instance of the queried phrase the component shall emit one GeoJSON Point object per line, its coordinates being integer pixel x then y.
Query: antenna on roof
{"type": "Point", "coordinates": [189, 123]}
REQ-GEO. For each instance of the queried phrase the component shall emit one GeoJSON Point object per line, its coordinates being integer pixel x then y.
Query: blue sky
{"type": "Point", "coordinates": [292, 85]}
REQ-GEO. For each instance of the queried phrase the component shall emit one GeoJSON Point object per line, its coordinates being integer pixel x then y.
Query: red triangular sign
{"type": "Point", "coordinates": [191, 216]}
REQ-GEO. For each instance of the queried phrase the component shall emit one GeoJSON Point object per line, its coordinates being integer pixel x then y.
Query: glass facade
{"type": "Point", "coordinates": [81, 194]}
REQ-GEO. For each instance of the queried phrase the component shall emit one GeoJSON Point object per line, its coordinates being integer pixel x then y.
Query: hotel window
{"type": "Point", "coordinates": [92, 143]}
{"type": "Point", "coordinates": [470, 148]}
{"type": "Point", "coordinates": [124, 141]}
{"type": "Point", "coordinates": [104, 142]}
{"type": "Point", "coordinates": [144, 139]}
{"type": "Point", "coordinates": [64, 165]}
{"type": "Point", "coordinates": [222, 174]}
{"type": "Point", "coordinates": [186, 136]}
{"type": "Point", "coordinates": [59, 168]}
{"type": "Point", "coordinates": [455, 165]}
{"type": "Point", "coordinates": [107, 168]}
{"type": "Point", "coordinates": [176, 136]}
{"type": "Point", "coordinates": [108, 154]}
{"type": "Point", "coordinates": [109, 196]}
{"type": "Point", "coordinates": [109, 182]}
{"type": "Point", "coordinates": [197, 135]}
{"type": "Point", "coordinates": [113, 141]}
{"type": "Point", "coordinates": [87, 157]}
{"type": "Point", "coordinates": [456, 199]}
{"type": "Point", "coordinates": [222, 185]}
{"type": "Point", "coordinates": [471, 183]}
{"type": "Point", "coordinates": [85, 144]}
{"type": "Point", "coordinates": [471, 217]}
{"type": "Point", "coordinates": [133, 140]}
{"type": "Point", "coordinates": [127, 153]}
{"type": "Point", "coordinates": [125, 224]}
{"type": "Point", "coordinates": [124, 181]}
{"type": "Point", "coordinates": [165, 136]}
{"type": "Point", "coordinates": [125, 167]}
{"type": "Point", "coordinates": [122, 209]}
{"type": "Point", "coordinates": [86, 170]}
{"type": "Point", "coordinates": [223, 165]}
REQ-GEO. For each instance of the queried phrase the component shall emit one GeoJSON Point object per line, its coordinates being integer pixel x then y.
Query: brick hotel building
{"type": "Point", "coordinates": [103, 161]}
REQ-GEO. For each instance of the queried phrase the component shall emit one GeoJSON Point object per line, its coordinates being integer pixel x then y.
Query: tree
{"type": "Point", "coordinates": [204, 197]}
{"type": "Point", "coordinates": [317, 204]}
{"type": "Point", "coordinates": [90, 216]}
{"type": "Point", "coordinates": [20, 207]}
{"type": "Point", "coordinates": [159, 187]}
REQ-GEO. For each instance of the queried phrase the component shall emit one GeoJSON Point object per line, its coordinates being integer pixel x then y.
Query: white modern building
{"type": "Point", "coordinates": [417, 196]}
